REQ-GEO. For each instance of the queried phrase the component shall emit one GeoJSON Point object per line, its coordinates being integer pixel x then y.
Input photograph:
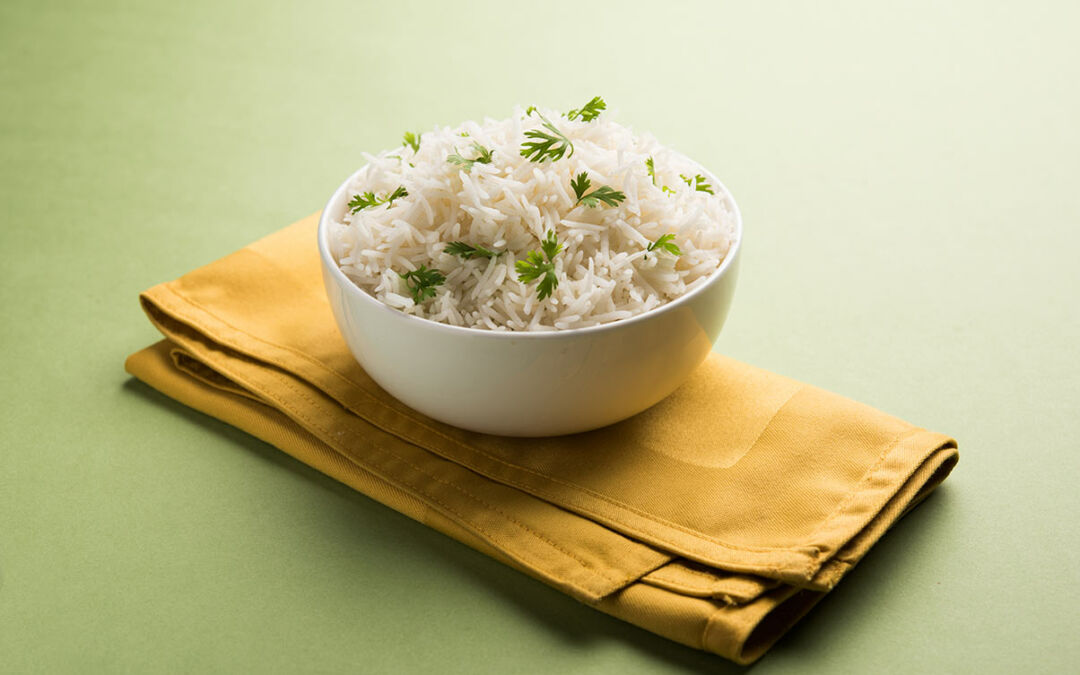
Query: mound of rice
{"type": "Point", "coordinates": [604, 272]}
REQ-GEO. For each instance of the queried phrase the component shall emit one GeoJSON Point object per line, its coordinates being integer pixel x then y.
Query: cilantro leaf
{"type": "Point", "coordinates": [604, 193]}
{"type": "Point", "coordinates": [551, 246]}
{"type": "Point", "coordinates": [581, 185]}
{"type": "Point", "coordinates": [534, 267]}
{"type": "Point", "coordinates": [650, 167]}
{"type": "Point", "coordinates": [412, 140]}
{"type": "Point", "coordinates": [665, 243]}
{"type": "Point", "coordinates": [368, 199]}
{"type": "Point", "coordinates": [702, 184]}
{"type": "Point", "coordinates": [484, 156]}
{"type": "Point", "coordinates": [545, 145]}
{"type": "Point", "coordinates": [468, 252]}
{"type": "Point", "coordinates": [547, 285]}
{"type": "Point", "coordinates": [589, 111]}
{"type": "Point", "coordinates": [398, 193]}
{"type": "Point", "coordinates": [362, 201]}
{"type": "Point", "coordinates": [421, 282]}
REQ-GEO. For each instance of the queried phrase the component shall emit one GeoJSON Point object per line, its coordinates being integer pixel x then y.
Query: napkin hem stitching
{"type": "Point", "coordinates": [850, 500]}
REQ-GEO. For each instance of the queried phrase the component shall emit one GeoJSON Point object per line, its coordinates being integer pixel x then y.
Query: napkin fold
{"type": "Point", "coordinates": [717, 518]}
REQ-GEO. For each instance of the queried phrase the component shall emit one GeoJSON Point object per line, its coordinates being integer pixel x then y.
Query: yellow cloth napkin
{"type": "Point", "coordinates": [717, 518]}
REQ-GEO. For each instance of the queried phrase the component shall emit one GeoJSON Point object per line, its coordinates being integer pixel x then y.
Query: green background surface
{"type": "Point", "coordinates": [909, 180]}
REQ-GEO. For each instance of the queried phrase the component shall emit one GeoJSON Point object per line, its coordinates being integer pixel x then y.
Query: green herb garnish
{"type": "Point", "coordinates": [368, 199]}
{"type": "Point", "coordinates": [701, 184]}
{"type": "Point", "coordinates": [362, 201]}
{"type": "Point", "coordinates": [398, 193]}
{"type": "Point", "coordinates": [545, 146]}
{"type": "Point", "coordinates": [665, 243]}
{"type": "Point", "coordinates": [604, 193]}
{"type": "Point", "coordinates": [422, 282]}
{"type": "Point", "coordinates": [484, 156]}
{"type": "Point", "coordinates": [468, 252]}
{"type": "Point", "coordinates": [412, 140]}
{"type": "Point", "coordinates": [650, 166]}
{"type": "Point", "coordinates": [589, 111]}
{"type": "Point", "coordinates": [534, 267]}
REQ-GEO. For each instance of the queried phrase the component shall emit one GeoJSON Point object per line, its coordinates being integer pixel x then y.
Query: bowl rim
{"type": "Point", "coordinates": [350, 287]}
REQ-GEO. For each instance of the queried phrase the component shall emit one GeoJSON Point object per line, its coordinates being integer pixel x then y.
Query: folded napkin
{"type": "Point", "coordinates": [717, 518]}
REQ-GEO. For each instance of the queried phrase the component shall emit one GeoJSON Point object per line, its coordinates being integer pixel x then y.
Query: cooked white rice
{"type": "Point", "coordinates": [604, 271]}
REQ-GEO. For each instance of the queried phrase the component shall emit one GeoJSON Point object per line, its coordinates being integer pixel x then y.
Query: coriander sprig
{"type": "Point", "coordinates": [362, 201]}
{"type": "Point", "coordinates": [412, 140]}
{"type": "Point", "coordinates": [545, 145]}
{"type": "Point", "coordinates": [483, 156]}
{"type": "Point", "coordinates": [421, 282]}
{"type": "Point", "coordinates": [398, 193]}
{"type": "Point", "coordinates": [604, 193]}
{"type": "Point", "coordinates": [368, 199]}
{"type": "Point", "coordinates": [534, 267]}
{"type": "Point", "coordinates": [665, 243]}
{"type": "Point", "coordinates": [589, 111]}
{"type": "Point", "coordinates": [468, 252]}
{"type": "Point", "coordinates": [650, 167]}
{"type": "Point", "coordinates": [701, 184]}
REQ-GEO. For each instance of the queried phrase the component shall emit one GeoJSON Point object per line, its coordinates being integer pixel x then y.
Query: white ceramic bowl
{"type": "Point", "coordinates": [529, 384]}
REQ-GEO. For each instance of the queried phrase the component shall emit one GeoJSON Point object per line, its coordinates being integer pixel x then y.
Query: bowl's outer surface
{"type": "Point", "coordinates": [528, 384]}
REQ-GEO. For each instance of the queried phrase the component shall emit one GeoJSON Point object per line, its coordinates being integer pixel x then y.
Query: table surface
{"type": "Point", "coordinates": [908, 177]}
